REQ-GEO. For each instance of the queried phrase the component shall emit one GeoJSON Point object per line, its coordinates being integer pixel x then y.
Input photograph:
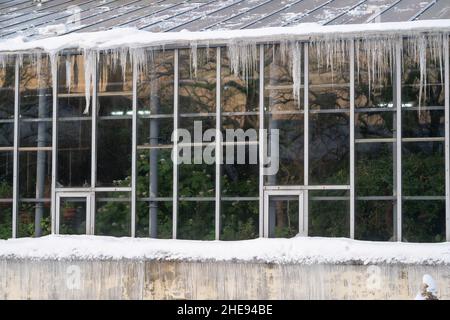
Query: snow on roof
{"type": "Point", "coordinates": [303, 250]}
{"type": "Point", "coordinates": [27, 17]}
{"type": "Point", "coordinates": [133, 38]}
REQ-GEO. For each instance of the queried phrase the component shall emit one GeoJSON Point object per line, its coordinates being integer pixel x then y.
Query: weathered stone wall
{"type": "Point", "coordinates": [132, 279]}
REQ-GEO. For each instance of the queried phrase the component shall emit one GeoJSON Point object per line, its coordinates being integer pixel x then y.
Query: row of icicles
{"type": "Point", "coordinates": [374, 58]}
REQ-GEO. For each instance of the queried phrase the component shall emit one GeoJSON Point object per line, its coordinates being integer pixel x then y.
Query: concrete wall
{"type": "Point", "coordinates": [130, 279]}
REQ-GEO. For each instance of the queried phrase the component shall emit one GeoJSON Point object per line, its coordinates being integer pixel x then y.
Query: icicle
{"type": "Point", "coordinates": [68, 73]}
{"type": "Point", "coordinates": [90, 59]}
{"type": "Point", "coordinates": [194, 57]}
{"type": "Point", "coordinates": [243, 58]}
{"type": "Point", "coordinates": [297, 71]}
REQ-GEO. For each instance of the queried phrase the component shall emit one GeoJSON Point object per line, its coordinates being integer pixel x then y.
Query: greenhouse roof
{"type": "Point", "coordinates": [34, 19]}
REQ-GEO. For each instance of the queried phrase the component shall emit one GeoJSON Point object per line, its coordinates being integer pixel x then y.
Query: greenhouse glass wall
{"type": "Point", "coordinates": [363, 146]}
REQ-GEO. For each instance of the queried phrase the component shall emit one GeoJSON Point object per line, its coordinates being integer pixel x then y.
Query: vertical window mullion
{"type": "Point", "coordinates": [93, 147]}
{"type": "Point", "coordinates": [352, 139]}
{"type": "Point", "coordinates": [218, 144]}
{"type": "Point", "coordinates": [447, 136]}
{"type": "Point", "coordinates": [175, 146]}
{"type": "Point", "coordinates": [16, 150]}
{"type": "Point", "coordinates": [306, 143]}
{"type": "Point", "coordinates": [133, 152]}
{"type": "Point", "coordinates": [261, 140]}
{"type": "Point", "coordinates": [54, 68]}
{"type": "Point", "coordinates": [398, 100]}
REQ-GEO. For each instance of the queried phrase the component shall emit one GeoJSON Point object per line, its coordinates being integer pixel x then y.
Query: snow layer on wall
{"type": "Point", "coordinates": [304, 250]}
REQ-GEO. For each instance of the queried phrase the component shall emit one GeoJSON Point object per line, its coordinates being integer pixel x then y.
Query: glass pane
{"type": "Point", "coordinates": [71, 74]}
{"type": "Point", "coordinates": [196, 220]}
{"type": "Point", "coordinates": [197, 92]}
{"type": "Point", "coordinates": [155, 86]}
{"type": "Point", "coordinates": [113, 214]}
{"type": "Point", "coordinates": [426, 123]}
{"type": "Point", "coordinates": [291, 148]}
{"type": "Point", "coordinates": [374, 220]}
{"type": "Point", "coordinates": [113, 76]}
{"type": "Point", "coordinates": [28, 214]}
{"type": "Point", "coordinates": [155, 172]}
{"type": "Point", "coordinates": [74, 124]}
{"type": "Point", "coordinates": [196, 179]}
{"type": "Point", "coordinates": [7, 74]}
{"type": "Point", "coordinates": [72, 215]}
{"type": "Point", "coordinates": [423, 169]}
{"type": "Point", "coordinates": [155, 131]}
{"type": "Point", "coordinates": [6, 174]}
{"type": "Point", "coordinates": [36, 88]}
{"type": "Point", "coordinates": [374, 169]}
{"type": "Point", "coordinates": [329, 146]}
{"type": "Point", "coordinates": [35, 171]}
{"type": "Point", "coordinates": [239, 94]}
{"type": "Point", "coordinates": [329, 214]}
{"type": "Point", "coordinates": [283, 217]}
{"type": "Point", "coordinates": [5, 220]}
{"type": "Point", "coordinates": [114, 152]}
{"type": "Point", "coordinates": [162, 211]}
{"type": "Point", "coordinates": [74, 153]}
{"type": "Point", "coordinates": [240, 179]}
{"type": "Point", "coordinates": [35, 134]}
{"type": "Point", "coordinates": [240, 220]}
{"type": "Point", "coordinates": [431, 91]}
{"type": "Point", "coordinates": [369, 125]}
{"type": "Point", "coordinates": [373, 86]}
{"type": "Point", "coordinates": [329, 76]}
{"type": "Point", "coordinates": [423, 221]}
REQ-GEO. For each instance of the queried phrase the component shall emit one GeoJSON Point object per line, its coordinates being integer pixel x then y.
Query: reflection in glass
{"type": "Point", "coordinates": [423, 221]}
{"type": "Point", "coordinates": [163, 219]}
{"type": "Point", "coordinates": [329, 148]}
{"type": "Point", "coordinates": [196, 220]}
{"type": "Point", "coordinates": [72, 217]}
{"type": "Point", "coordinates": [370, 125]}
{"type": "Point", "coordinates": [283, 217]}
{"type": "Point", "coordinates": [374, 220]}
{"type": "Point", "coordinates": [329, 214]}
{"type": "Point", "coordinates": [239, 220]}
{"type": "Point", "coordinates": [113, 214]}
{"type": "Point", "coordinates": [374, 169]}
{"type": "Point", "coordinates": [33, 217]}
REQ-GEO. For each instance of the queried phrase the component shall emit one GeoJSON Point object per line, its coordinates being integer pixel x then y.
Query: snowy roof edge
{"type": "Point", "coordinates": [133, 38]}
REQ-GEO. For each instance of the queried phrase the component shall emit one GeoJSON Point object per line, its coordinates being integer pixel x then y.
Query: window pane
{"type": "Point", "coordinates": [163, 215]}
{"type": "Point", "coordinates": [423, 168]}
{"type": "Point", "coordinates": [238, 94]}
{"type": "Point", "coordinates": [74, 124]}
{"type": "Point", "coordinates": [35, 172]}
{"type": "Point", "coordinates": [369, 125]}
{"type": "Point", "coordinates": [240, 220]}
{"type": "Point", "coordinates": [423, 221]}
{"type": "Point", "coordinates": [196, 220]}
{"type": "Point", "coordinates": [374, 220]}
{"type": "Point", "coordinates": [5, 220]}
{"type": "Point", "coordinates": [154, 173]}
{"type": "Point", "coordinates": [329, 214]}
{"type": "Point", "coordinates": [374, 169]}
{"type": "Point", "coordinates": [426, 123]}
{"type": "Point", "coordinates": [26, 226]}
{"type": "Point", "coordinates": [73, 215]}
{"type": "Point", "coordinates": [7, 74]}
{"type": "Point", "coordinates": [329, 148]}
{"type": "Point", "coordinates": [6, 174]}
{"type": "Point", "coordinates": [196, 180]}
{"type": "Point", "coordinates": [240, 180]}
{"type": "Point", "coordinates": [283, 217]}
{"type": "Point", "coordinates": [291, 148]}
{"type": "Point", "coordinates": [329, 77]}
{"type": "Point", "coordinates": [197, 92]}
{"type": "Point", "coordinates": [431, 93]}
{"type": "Point", "coordinates": [113, 214]}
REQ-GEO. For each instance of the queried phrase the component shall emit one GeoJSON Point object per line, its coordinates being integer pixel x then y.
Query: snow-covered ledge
{"type": "Point", "coordinates": [299, 250]}
{"type": "Point", "coordinates": [90, 267]}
